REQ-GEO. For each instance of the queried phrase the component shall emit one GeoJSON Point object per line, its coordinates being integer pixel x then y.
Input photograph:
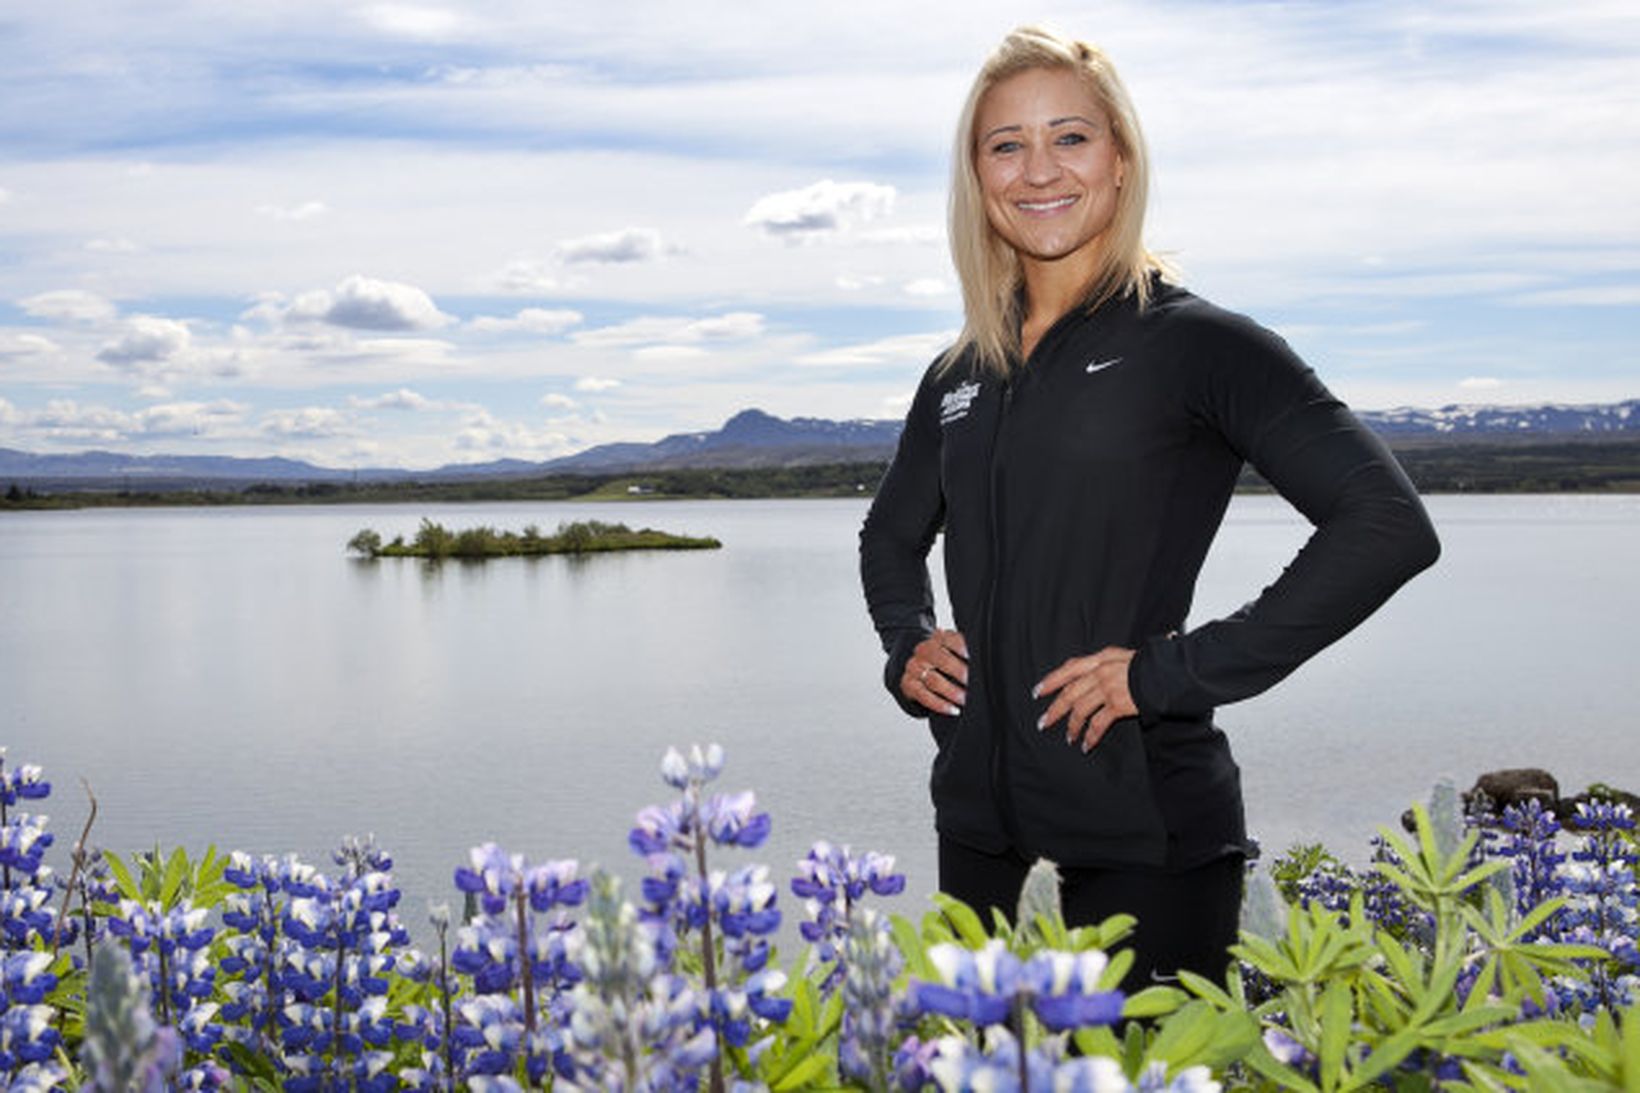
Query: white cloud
{"type": "Point", "coordinates": [925, 286]}
{"type": "Point", "coordinates": [908, 349]}
{"type": "Point", "coordinates": [595, 384]}
{"type": "Point", "coordinates": [402, 399]}
{"type": "Point", "coordinates": [663, 353]}
{"type": "Point", "coordinates": [416, 21]}
{"type": "Point", "coordinates": [483, 432]}
{"type": "Point", "coordinates": [188, 418]}
{"type": "Point", "coordinates": [1480, 383]}
{"type": "Point", "coordinates": [117, 245]}
{"type": "Point", "coordinates": [65, 419]}
{"type": "Point", "coordinates": [922, 235]}
{"type": "Point", "coordinates": [854, 282]}
{"type": "Point", "coordinates": [69, 304]}
{"type": "Point", "coordinates": [307, 421]}
{"type": "Point", "coordinates": [5, 195]}
{"type": "Point", "coordinates": [25, 345]}
{"type": "Point", "coordinates": [532, 320]}
{"type": "Point", "coordinates": [819, 210]}
{"type": "Point", "coordinates": [147, 339]}
{"type": "Point", "coordinates": [672, 330]}
{"type": "Point", "coordinates": [527, 276]}
{"type": "Point", "coordinates": [626, 245]}
{"type": "Point", "coordinates": [555, 401]}
{"type": "Point", "coordinates": [364, 303]}
{"type": "Point", "coordinates": [306, 210]}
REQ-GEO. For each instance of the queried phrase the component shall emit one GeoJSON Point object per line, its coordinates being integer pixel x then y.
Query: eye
{"type": "Point", "coordinates": [1003, 147]}
{"type": "Point", "coordinates": [1071, 138]}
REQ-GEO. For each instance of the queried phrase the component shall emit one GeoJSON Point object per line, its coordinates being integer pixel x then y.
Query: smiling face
{"type": "Point", "coordinates": [1048, 167]}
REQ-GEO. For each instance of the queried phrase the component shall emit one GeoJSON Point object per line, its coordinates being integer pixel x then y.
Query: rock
{"type": "Point", "coordinates": [1515, 787]}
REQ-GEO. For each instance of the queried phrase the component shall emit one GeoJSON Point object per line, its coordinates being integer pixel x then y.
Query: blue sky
{"type": "Point", "coordinates": [386, 233]}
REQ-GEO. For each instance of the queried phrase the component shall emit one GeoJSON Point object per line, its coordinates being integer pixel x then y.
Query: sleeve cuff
{"type": "Point", "coordinates": [898, 657]}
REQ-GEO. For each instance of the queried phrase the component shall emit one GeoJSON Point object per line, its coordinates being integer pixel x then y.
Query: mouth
{"type": "Point", "coordinates": [1045, 206]}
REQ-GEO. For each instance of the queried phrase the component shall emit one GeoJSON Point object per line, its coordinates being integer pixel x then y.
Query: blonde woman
{"type": "Point", "coordinates": [1078, 446]}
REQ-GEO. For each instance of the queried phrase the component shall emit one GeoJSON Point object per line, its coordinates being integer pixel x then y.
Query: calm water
{"type": "Point", "coordinates": [231, 675]}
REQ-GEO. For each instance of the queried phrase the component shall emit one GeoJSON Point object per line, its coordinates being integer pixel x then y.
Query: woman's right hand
{"type": "Point", "coordinates": [936, 676]}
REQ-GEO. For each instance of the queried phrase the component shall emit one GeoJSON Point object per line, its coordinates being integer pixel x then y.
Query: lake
{"type": "Point", "coordinates": [231, 675]}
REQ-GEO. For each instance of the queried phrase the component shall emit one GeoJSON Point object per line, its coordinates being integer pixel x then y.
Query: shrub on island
{"type": "Point", "coordinates": [434, 541]}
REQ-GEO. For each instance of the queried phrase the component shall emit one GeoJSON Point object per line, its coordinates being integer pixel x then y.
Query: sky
{"type": "Point", "coordinates": [411, 234]}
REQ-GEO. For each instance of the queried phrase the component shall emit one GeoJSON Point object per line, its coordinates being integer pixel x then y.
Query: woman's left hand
{"type": "Point", "coordinates": [1092, 691]}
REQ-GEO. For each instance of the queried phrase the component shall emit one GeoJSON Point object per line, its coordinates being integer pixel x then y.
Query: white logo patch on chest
{"type": "Point", "coordinates": [956, 402]}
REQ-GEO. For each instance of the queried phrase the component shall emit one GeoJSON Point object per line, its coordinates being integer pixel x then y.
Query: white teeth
{"type": "Point", "coordinates": [1043, 206]}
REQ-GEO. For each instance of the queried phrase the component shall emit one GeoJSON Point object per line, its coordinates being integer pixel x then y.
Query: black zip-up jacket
{"type": "Point", "coordinates": [1078, 500]}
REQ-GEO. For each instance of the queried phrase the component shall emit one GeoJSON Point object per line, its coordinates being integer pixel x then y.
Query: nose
{"type": "Point", "coordinates": [1041, 166]}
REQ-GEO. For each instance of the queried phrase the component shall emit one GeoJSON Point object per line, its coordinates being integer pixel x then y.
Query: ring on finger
{"type": "Point", "coordinates": [922, 676]}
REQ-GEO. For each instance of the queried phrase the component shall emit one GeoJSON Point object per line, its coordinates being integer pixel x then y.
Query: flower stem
{"type": "Point", "coordinates": [525, 971]}
{"type": "Point", "coordinates": [707, 955]}
{"type": "Point", "coordinates": [444, 994]}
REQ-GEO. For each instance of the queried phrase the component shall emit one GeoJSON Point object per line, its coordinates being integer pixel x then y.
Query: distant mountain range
{"type": "Point", "coordinates": [753, 438]}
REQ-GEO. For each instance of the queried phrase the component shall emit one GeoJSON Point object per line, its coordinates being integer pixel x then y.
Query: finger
{"type": "Point", "coordinates": [1081, 719]}
{"type": "Point", "coordinates": [1075, 691]}
{"type": "Point", "coordinates": [948, 654]}
{"type": "Point", "coordinates": [1098, 726]}
{"type": "Point", "coordinates": [1071, 669]}
{"type": "Point", "coordinates": [946, 687]}
{"type": "Point", "coordinates": [915, 684]}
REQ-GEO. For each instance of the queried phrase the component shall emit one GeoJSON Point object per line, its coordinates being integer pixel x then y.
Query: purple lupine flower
{"type": "Point", "coordinates": [628, 1011]}
{"type": "Point", "coordinates": [1530, 842]}
{"type": "Point", "coordinates": [979, 987]}
{"type": "Point", "coordinates": [870, 962]}
{"type": "Point", "coordinates": [831, 881]}
{"type": "Point", "coordinates": [985, 987]}
{"type": "Point", "coordinates": [1064, 992]}
{"type": "Point", "coordinates": [23, 843]}
{"type": "Point", "coordinates": [1601, 902]}
{"type": "Point", "coordinates": [24, 782]}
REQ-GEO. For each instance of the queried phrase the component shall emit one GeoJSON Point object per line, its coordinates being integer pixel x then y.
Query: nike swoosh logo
{"type": "Point", "coordinates": [1100, 366]}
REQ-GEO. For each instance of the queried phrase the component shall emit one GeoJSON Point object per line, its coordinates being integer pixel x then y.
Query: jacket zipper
{"type": "Point", "coordinates": [1000, 793]}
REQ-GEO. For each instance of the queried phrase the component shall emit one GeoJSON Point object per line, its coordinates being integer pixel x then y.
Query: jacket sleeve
{"type": "Point", "coordinates": [1371, 533]}
{"type": "Point", "coordinates": [898, 532]}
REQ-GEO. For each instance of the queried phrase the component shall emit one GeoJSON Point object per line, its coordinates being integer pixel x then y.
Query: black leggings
{"type": "Point", "coordinates": [1186, 919]}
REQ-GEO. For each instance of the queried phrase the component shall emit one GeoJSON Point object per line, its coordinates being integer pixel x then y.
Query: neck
{"type": "Point", "coordinates": [1052, 288]}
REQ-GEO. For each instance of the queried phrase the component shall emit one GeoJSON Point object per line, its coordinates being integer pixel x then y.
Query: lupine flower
{"type": "Point", "coordinates": [1529, 841]}
{"type": "Point", "coordinates": [870, 963]}
{"type": "Point", "coordinates": [23, 842]}
{"type": "Point", "coordinates": [124, 1051]}
{"type": "Point", "coordinates": [25, 782]}
{"type": "Point", "coordinates": [831, 881]}
{"type": "Point", "coordinates": [985, 987]}
{"type": "Point", "coordinates": [1601, 901]}
{"type": "Point", "coordinates": [632, 1025]}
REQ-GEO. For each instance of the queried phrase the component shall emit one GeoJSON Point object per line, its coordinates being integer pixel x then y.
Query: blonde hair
{"type": "Point", "coordinates": [986, 265]}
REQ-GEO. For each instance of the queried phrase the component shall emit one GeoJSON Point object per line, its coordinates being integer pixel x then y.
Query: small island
{"type": "Point", "coordinates": [436, 541]}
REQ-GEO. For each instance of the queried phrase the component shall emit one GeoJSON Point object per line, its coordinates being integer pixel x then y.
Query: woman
{"type": "Point", "coordinates": [1078, 446]}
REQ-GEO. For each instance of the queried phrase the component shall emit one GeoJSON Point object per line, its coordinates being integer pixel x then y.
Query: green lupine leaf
{"type": "Point", "coordinates": [802, 1076]}
{"type": "Point", "coordinates": [175, 875]}
{"type": "Point", "coordinates": [962, 919]}
{"type": "Point", "coordinates": [1337, 1012]}
{"type": "Point", "coordinates": [1205, 988]}
{"type": "Point", "coordinates": [1385, 1057]}
{"type": "Point", "coordinates": [1097, 1041]}
{"type": "Point", "coordinates": [122, 876]}
{"type": "Point", "coordinates": [1154, 1002]}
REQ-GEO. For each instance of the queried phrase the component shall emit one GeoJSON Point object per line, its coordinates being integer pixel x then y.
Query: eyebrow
{"type": "Point", "coordinates": [1052, 122]}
